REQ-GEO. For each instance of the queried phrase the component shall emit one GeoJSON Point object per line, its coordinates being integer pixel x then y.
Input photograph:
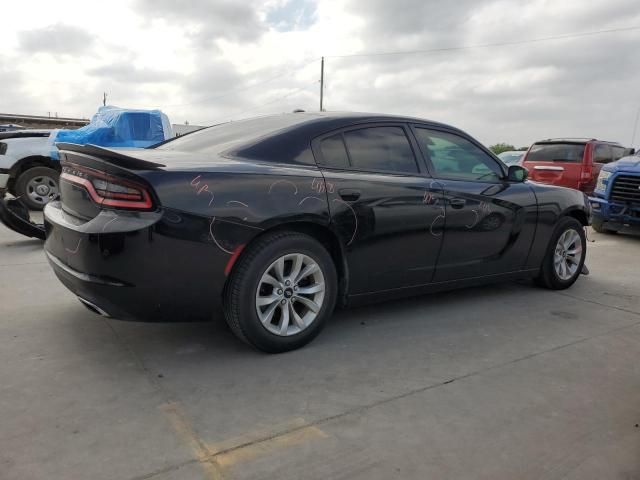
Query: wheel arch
{"type": "Point", "coordinates": [321, 233]}
{"type": "Point", "coordinates": [26, 163]}
{"type": "Point", "coordinates": [578, 214]}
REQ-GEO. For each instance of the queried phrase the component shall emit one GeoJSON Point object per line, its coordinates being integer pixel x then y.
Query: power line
{"type": "Point", "coordinates": [248, 87]}
{"type": "Point", "coordinates": [488, 45]}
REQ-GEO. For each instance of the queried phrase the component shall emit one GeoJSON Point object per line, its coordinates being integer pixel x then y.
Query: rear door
{"type": "Point", "coordinates": [489, 222]}
{"type": "Point", "coordinates": [556, 163]}
{"type": "Point", "coordinates": [383, 204]}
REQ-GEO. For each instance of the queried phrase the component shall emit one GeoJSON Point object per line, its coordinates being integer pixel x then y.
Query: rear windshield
{"type": "Point", "coordinates": [220, 138]}
{"type": "Point", "coordinates": [556, 152]}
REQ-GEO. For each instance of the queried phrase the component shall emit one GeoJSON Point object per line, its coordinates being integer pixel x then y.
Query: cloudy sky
{"type": "Point", "coordinates": [208, 61]}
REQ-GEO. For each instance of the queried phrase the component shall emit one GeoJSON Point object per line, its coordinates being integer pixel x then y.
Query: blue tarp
{"type": "Point", "coordinates": [117, 127]}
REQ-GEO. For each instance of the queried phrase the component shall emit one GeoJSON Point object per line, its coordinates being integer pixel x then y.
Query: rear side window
{"type": "Point", "coordinates": [334, 153]}
{"type": "Point", "coordinates": [381, 148]}
{"type": "Point", "coordinates": [618, 153]}
{"type": "Point", "coordinates": [602, 154]}
{"type": "Point", "coordinates": [556, 152]}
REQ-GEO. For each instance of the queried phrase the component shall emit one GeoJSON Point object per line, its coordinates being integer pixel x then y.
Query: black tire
{"type": "Point", "coordinates": [548, 277]}
{"type": "Point", "coordinates": [240, 293]}
{"type": "Point", "coordinates": [598, 225]}
{"type": "Point", "coordinates": [22, 185]}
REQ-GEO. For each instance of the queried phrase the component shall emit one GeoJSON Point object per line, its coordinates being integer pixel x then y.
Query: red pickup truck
{"type": "Point", "coordinates": [571, 162]}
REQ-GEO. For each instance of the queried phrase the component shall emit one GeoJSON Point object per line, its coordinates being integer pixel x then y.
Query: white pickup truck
{"type": "Point", "coordinates": [27, 170]}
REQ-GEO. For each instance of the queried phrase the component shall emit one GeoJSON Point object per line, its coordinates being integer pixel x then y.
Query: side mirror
{"type": "Point", "coordinates": [629, 151]}
{"type": "Point", "coordinates": [517, 173]}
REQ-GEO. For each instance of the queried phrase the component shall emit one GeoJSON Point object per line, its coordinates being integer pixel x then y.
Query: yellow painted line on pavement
{"type": "Point", "coordinates": [268, 446]}
{"type": "Point", "coordinates": [185, 432]}
{"type": "Point", "coordinates": [215, 457]}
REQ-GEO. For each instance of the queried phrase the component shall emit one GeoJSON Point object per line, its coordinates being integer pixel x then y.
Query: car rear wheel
{"type": "Point", "coordinates": [37, 186]}
{"type": "Point", "coordinates": [565, 255]}
{"type": "Point", "coordinates": [281, 292]}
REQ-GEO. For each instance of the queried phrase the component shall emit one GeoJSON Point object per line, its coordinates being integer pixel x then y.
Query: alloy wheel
{"type": "Point", "coordinates": [567, 254]}
{"type": "Point", "coordinates": [290, 294]}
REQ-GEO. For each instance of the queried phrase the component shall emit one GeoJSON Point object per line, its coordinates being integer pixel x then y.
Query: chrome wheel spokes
{"type": "Point", "coordinates": [290, 294]}
{"type": "Point", "coordinates": [567, 254]}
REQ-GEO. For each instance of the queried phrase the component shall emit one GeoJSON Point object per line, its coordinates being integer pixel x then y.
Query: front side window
{"type": "Point", "coordinates": [380, 149]}
{"type": "Point", "coordinates": [457, 158]}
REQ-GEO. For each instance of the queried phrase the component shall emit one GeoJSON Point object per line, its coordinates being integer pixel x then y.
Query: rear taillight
{"type": "Point", "coordinates": [109, 190]}
{"type": "Point", "coordinates": [586, 174]}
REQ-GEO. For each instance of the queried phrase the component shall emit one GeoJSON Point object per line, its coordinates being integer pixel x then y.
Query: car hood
{"type": "Point", "coordinates": [627, 164]}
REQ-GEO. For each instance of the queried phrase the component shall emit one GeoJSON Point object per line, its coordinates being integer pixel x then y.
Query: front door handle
{"type": "Point", "coordinates": [457, 203]}
{"type": "Point", "coordinates": [349, 194]}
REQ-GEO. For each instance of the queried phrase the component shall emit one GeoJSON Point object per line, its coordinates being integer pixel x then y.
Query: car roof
{"type": "Point", "coordinates": [575, 140]}
{"type": "Point", "coordinates": [284, 137]}
{"type": "Point", "coordinates": [323, 118]}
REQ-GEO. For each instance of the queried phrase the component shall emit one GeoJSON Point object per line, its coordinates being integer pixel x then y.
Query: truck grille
{"type": "Point", "coordinates": [626, 188]}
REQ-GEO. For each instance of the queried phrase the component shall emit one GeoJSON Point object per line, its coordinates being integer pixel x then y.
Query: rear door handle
{"type": "Point", "coordinates": [457, 203]}
{"type": "Point", "coordinates": [349, 194]}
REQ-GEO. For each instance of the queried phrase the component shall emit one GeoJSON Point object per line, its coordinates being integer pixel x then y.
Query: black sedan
{"type": "Point", "coordinates": [275, 220]}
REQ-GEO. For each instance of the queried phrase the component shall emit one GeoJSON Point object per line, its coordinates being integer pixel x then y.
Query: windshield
{"type": "Point", "coordinates": [556, 152]}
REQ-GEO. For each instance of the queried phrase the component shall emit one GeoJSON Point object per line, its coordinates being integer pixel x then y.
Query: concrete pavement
{"type": "Point", "coordinates": [500, 382]}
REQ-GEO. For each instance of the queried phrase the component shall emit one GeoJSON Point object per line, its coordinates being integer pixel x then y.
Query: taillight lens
{"type": "Point", "coordinates": [108, 190]}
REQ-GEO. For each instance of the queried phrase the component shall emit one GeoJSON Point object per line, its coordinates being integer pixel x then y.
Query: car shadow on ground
{"type": "Point", "coordinates": [204, 341]}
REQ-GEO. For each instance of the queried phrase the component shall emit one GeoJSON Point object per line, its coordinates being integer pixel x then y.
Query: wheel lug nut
{"type": "Point", "coordinates": [279, 291]}
{"type": "Point", "coordinates": [295, 288]}
{"type": "Point", "coordinates": [283, 301]}
{"type": "Point", "coordinates": [287, 283]}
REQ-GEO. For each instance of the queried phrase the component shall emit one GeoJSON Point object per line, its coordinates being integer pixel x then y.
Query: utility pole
{"type": "Point", "coordinates": [104, 99]}
{"type": "Point", "coordinates": [321, 84]}
{"type": "Point", "coordinates": [635, 127]}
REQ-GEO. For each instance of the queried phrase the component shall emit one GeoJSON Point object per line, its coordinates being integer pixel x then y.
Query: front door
{"type": "Point", "coordinates": [387, 211]}
{"type": "Point", "coordinates": [489, 222]}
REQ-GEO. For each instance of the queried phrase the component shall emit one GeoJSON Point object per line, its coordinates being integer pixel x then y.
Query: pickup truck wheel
{"type": "Point", "coordinates": [281, 292]}
{"type": "Point", "coordinates": [598, 226]}
{"type": "Point", "coordinates": [565, 255]}
{"type": "Point", "coordinates": [37, 186]}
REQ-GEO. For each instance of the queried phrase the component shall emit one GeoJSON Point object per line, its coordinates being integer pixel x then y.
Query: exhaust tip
{"type": "Point", "coordinates": [94, 308]}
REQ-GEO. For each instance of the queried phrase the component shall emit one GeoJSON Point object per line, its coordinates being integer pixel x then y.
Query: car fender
{"type": "Point", "coordinates": [554, 203]}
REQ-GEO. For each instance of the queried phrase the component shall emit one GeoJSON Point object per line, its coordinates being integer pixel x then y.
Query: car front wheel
{"type": "Point", "coordinates": [37, 186]}
{"type": "Point", "coordinates": [281, 292]}
{"type": "Point", "coordinates": [565, 255]}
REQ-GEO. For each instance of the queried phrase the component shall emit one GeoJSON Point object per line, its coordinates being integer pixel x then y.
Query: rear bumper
{"type": "Point", "coordinates": [137, 266]}
{"type": "Point", "coordinates": [614, 214]}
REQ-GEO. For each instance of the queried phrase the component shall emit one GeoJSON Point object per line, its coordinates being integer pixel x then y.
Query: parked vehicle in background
{"type": "Point", "coordinates": [29, 166]}
{"type": "Point", "coordinates": [570, 162]}
{"type": "Point", "coordinates": [26, 167]}
{"type": "Point", "coordinates": [10, 127]}
{"type": "Point", "coordinates": [273, 220]}
{"type": "Point", "coordinates": [616, 199]}
{"type": "Point", "coordinates": [512, 157]}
